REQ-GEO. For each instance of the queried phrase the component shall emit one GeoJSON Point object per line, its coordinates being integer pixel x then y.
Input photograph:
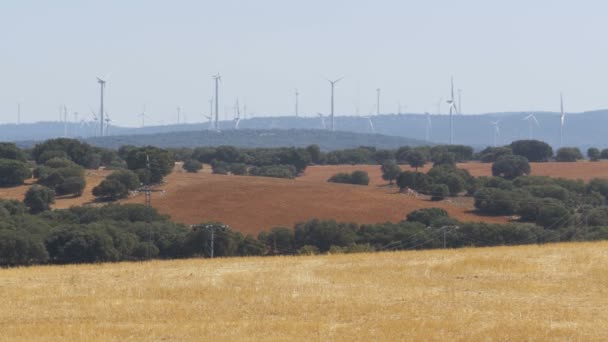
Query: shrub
{"type": "Point", "coordinates": [568, 154]}
{"type": "Point", "coordinates": [511, 167]}
{"type": "Point", "coordinates": [427, 216]}
{"type": "Point", "coordinates": [308, 250]}
{"type": "Point", "coordinates": [13, 172]}
{"type": "Point", "coordinates": [21, 248]}
{"type": "Point", "coordinates": [111, 189]}
{"type": "Point", "coordinates": [491, 154]}
{"type": "Point", "coordinates": [11, 151]}
{"type": "Point", "coordinates": [439, 192]}
{"type": "Point", "coordinates": [276, 171]}
{"type": "Point", "coordinates": [220, 167]}
{"type": "Point", "coordinates": [39, 198]}
{"type": "Point", "coordinates": [496, 201]}
{"type": "Point", "coordinates": [71, 185]}
{"type": "Point", "coordinates": [356, 177]}
{"type": "Point", "coordinates": [192, 166]}
{"type": "Point", "coordinates": [238, 169]}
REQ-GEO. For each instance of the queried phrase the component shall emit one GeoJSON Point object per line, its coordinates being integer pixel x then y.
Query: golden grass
{"type": "Point", "coordinates": [552, 292]}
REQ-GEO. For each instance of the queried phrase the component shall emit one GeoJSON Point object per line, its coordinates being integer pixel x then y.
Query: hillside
{"type": "Point", "coordinates": [581, 129]}
{"type": "Point", "coordinates": [538, 293]}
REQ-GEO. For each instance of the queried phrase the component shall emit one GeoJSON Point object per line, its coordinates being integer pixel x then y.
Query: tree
{"type": "Point", "coordinates": [439, 192]}
{"type": "Point", "coordinates": [238, 169]}
{"type": "Point", "coordinates": [39, 198]}
{"type": "Point", "coordinates": [604, 154]}
{"type": "Point", "coordinates": [568, 154]}
{"type": "Point", "coordinates": [360, 177]}
{"type": "Point", "coordinates": [511, 167]}
{"type": "Point", "coordinates": [71, 185]}
{"type": "Point", "coordinates": [11, 151]}
{"type": "Point", "coordinates": [111, 189]}
{"type": "Point", "coordinates": [593, 154]}
{"type": "Point", "coordinates": [13, 172]}
{"type": "Point", "coordinates": [414, 180]}
{"type": "Point", "coordinates": [157, 161]}
{"type": "Point", "coordinates": [390, 171]}
{"type": "Point", "coordinates": [427, 216]}
{"type": "Point", "coordinates": [497, 202]}
{"type": "Point", "coordinates": [416, 159]}
{"type": "Point", "coordinates": [533, 150]}
{"type": "Point", "coordinates": [315, 153]}
{"type": "Point", "coordinates": [192, 166]}
{"type": "Point", "coordinates": [491, 154]}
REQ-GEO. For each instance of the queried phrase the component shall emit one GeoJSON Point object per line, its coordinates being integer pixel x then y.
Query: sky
{"type": "Point", "coordinates": [515, 55]}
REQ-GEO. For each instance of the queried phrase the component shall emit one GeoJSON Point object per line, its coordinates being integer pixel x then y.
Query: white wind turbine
{"type": "Point", "coordinates": [531, 118]}
{"type": "Point", "coordinates": [102, 87]}
{"type": "Point", "coordinates": [429, 126]}
{"type": "Point", "coordinates": [562, 120]}
{"type": "Point", "coordinates": [322, 117]}
{"type": "Point", "coordinates": [370, 123]}
{"type": "Point", "coordinates": [143, 116]}
{"type": "Point", "coordinates": [453, 109]}
{"type": "Point", "coordinates": [333, 84]}
{"type": "Point", "coordinates": [496, 131]}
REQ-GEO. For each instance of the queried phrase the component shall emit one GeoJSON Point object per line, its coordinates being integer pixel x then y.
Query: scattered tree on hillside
{"type": "Point", "coordinates": [593, 153]}
{"type": "Point", "coordinates": [192, 166]}
{"type": "Point", "coordinates": [13, 172]}
{"type": "Point", "coordinates": [416, 159]}
{"type": "Point", "coordinates": [39, 198]}
{"type": "Point", "coordinates": [390, 171]}
{"type": "Point", "coordinates": [568, 154]}
{"type": "Point", "coordinates": [533, 150]}
{"type": "Point", "coordinates": [511, 167]}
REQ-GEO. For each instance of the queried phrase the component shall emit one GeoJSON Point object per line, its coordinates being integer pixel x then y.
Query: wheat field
{"type": "Point", "coordinates": [551, 292]}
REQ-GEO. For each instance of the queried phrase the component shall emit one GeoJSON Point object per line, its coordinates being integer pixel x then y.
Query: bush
{"type": "Point", "coordinates": [357, 178]}
{"type": "Point", "coordinates": [71, 185]}
{"type": "Point", "coordinates": [13, 172]}
{"type": "Point", "coordinates": [427, 216]}
{"type": "Point", "coordinates": [39, 198]}
{"type": "Point", "coordinates": [491, 154]}
{"type": "Point", "coordinates": [511, 167]}
{"type": "Point", "coordinates": [280, 240]}
{"type": "Point", "coordinates": [11, 151]}
{"type": "Point", "coordinates": [593, 154]}
{"type": "Point", "coordinates": [568, 154]}
{"type": "Point", "coordinates": [21, 248]}
{"type": "Point", "coordinates": [276, 171]}
{"type": "Point", "coordinates": [192, 166]}
{"type": "Point", "coordinates": [497, 202]}
{"type": "Point", "coordinates": [324, 234]}
{"type": "Point", "coordinates": [439, 192]}
{"type": "Point", "coordinates": [238, 169]}
{"type": "Point", "coordinates": [219, 167]}
{"type": "Point", "coordinates": [308, 250]}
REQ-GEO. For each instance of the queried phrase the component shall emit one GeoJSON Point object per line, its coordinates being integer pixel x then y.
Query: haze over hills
{"type": "Point", "coordinates": [582, 130]}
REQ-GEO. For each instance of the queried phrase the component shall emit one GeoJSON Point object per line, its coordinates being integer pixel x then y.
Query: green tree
{"type": "Point", "coordinates": [157, 161]}
{"type": "Point", "coordinates": [427, 216]}
{"type": "Point", "coordinates": [414, 180]}
{"type": "Point", "coordinates": [39, 198]}
{"type": "Point", "coordinates": [568, 154]}
{"type": "Point", "coordinates": [511, 167]}
{"type": "Point", "coordinates": [593, 153]}
{"type": "Point", "coordinates": [11, 151]}
{"type": "Point", "coordinates": [111, 189]}
{"type": "Point", "coordinates": [439, 192]}
{"type": "Point", "coordinates": [416, 159]}
{"type": "Point", "coordinates": [533, 150]}
{"type": "Point", "coordinates": [13, 172]}
{"type": "Point", "coordinates": [390, 171]}
{"type": "Point", "coordinates": [192, 166]}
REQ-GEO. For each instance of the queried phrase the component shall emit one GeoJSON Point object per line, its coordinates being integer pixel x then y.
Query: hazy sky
{"type": "Point", "coordinates": [505, 55]}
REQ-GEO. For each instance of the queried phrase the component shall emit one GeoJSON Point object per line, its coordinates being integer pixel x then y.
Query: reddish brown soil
{"type": "Point", "coordinates": [93, 178]}
{"type": "Point", "coordinates": [253, 204]}
{"type": "Point", "coordinates": [581, 170]}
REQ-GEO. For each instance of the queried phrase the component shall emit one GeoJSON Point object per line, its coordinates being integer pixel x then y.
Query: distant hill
{"type": "Point", "coordinates": [582, 129]}
{"type": "Point", "coordinates": [326, 140]}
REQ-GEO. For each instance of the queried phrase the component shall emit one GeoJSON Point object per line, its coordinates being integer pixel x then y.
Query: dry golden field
{"type": "Point", "coordinates": [539, 293]}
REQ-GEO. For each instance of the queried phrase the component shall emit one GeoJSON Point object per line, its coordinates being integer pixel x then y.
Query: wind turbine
{"type": "Point", "coordinates": [496, 131]}
{"type": "Point", "coordinates": [333, 84]}
{"type": "Point", "coordinates": [429, 126]}
{"type": "Point", "coordinates": [321, 116]}
{"type": "Point", "coordinates": [237, 117]}
{"type": "Point", "coordinates": [377, 101]}
{"type": "Point", "coordinates": [562, 120]}
{"type": "Point", "coordinates": [209, 121]}
{"type": "Point", "coordinates": [531, 121]}
{"type": "Point", "coordinates": [102, 86]}
{"type": "Point", "coordinates": [143, 116]}
{"type": "Point", "coordinates": [460, 101]}
{"type": "Point", "coordinates": [179, 112]}
{"type": "Point", "coordinates": [370, 123]}
{"type": "Point", "coordinates": [453, 109]}
{"type": "Point", "coordinates": [108, 120]}
{"type": "Point", "coordinates": [217, 79]}
{"type": "Point", "coordinates": [297, 101]}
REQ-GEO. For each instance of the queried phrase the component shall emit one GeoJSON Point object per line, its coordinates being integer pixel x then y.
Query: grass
{"type": "Point", "coordinates": [551, 292]}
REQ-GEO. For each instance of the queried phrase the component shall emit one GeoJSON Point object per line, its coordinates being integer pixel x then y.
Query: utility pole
{"type": "Point", "coordinates": [211, 230]}
{"type": "Point", "coordinates": [444, 229]}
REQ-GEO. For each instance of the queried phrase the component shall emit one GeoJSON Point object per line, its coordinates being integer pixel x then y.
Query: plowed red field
{"type": "Point", "coordinates": [253, 204]}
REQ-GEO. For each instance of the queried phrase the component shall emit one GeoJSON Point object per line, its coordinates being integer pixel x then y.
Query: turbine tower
{"type": "Point", "coordinates": [429, 126]}
{"type": "Point", "coordinates": [179, 112]}
{"type": "Point", "coordinates": [297, 102]}
{"type": "Point", "coordinates": [102, 86]}
{"type": "Point", "coordinates": [143, 116]}
{"type": "Point", "coordinates": [531, 121]}
{"type": "Point", "coordinates": [378, 101]}
{"type": "Point", "coordinates": [496, 131]}
{"type": "Point", "coordinates": [217, 79]}
{"type": "Point", "coordinates": [459, 101]}
{"type": "Point", "coordinates": [333, 84]}
{"type": "Point", "coordinates": [562, 120]}
{"type": "Point", "coordinates": [453, 109]}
